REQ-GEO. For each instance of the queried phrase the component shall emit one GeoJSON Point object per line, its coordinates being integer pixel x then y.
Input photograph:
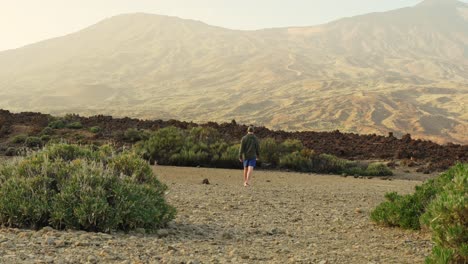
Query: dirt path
{"type": "Point", "coordinates": [293, 61]}
{"type": "Point", "coordinates": [282, 218]}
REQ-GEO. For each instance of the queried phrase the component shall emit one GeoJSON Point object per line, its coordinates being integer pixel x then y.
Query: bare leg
{"type": "Point", "coordinates": [245, 176]}
{"type": "Point", "coordinates": [249, 174]}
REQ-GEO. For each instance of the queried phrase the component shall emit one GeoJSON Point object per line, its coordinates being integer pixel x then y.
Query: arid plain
{"type": "Point", "coordinates": [282, 218]}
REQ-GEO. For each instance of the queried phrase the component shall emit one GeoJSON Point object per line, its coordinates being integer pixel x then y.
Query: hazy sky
{"type": "Point", "coordinates": [26, 21]}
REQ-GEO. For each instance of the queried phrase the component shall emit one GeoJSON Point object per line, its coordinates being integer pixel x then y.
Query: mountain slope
{"type": "Point", "coordinates": [405, 70]}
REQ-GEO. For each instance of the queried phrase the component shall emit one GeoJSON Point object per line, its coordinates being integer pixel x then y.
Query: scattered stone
{"type": "Point", "coordinates": [60, 243]}
{"type": "Point", "coordinates": [227, 235]}
{"type": "Point", "coordinates": [358, 210]}
{"type": "Point", "coordinates": [206, 181]}
{"type": "Point", "coordinates": [92, 259]}
{"type": "Point", "coordinates": [162, 233]}
{"type": "Point", "coordinates": [49, 241]}
{"type": "Point", "coordinates": [245, 256]}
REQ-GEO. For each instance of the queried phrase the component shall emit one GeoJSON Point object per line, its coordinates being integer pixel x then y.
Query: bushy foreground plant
{"type": "Point", "coordinates": [405, 210]}
{"type": "Point", "coordinates": [447, 218]}
{"type": "Point", "coordinates": [92, 189]}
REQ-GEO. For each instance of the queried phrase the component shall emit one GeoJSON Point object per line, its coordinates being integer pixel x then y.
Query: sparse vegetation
{"type": "Point", "coordinates": [95, 129]}
{"type": "Point", "coordinates": [68, 186]}
{"type": "Point", "coordinates": [57, 124]}
{"type": "Point", "coordinates": [10, 152]}
{"type": "Point", "coordinates": [19, 139]}
{"type": "Point", "coordinates": [205, 147]}
{"type": "Point", "coordinates": [74, 125]}
{"type": "Point", "coordinates": [134, 135]}
{"type": "Point", "coordinates": [69, 121]}
{"type": "Point", "coordinates": [47, 131]}
{"type": "Point", "coordinates": [33, 142]}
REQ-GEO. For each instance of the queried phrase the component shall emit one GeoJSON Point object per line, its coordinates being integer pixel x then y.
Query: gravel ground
{"type": "Point", "coordinates": [281, 218]}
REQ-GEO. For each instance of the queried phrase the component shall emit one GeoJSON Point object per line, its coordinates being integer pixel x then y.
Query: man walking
{"type": "Point", "coordinates": [249, 153]}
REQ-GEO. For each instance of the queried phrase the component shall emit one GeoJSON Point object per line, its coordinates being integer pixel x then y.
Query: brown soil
{"type": "Point", "coordinates": [281, 218]}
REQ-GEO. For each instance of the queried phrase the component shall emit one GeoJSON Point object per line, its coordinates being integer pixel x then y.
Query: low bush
{"type": "Point", "coordinates": [291, 145]}
{"type": "Point", "coordinates": [74, 125]}
{"type": "Point", "coordinates": [271, 151]}
{"type": "Point", "coordinates": [134, 135]}
{"type": "Point", "coordinates": [47, 131]}
{"type": "Point", "coordinates": [57, 124]}
{"type": "Point", "coordinates": [19, 139]}
{"type": "Point", "coordinates": [95, 129]}
{"type": "Point", "coordinates": [33, 142]}
{"type": "Point", "coordinates": [45, 138]}
{"type": "Point", "coordinates": [73, 187]}
{"type": "Point", "coordinates": [229, 158]}
{"type": "Point", "coordinates": [295, 161]}
{"type": "Point", "coordinates": [447, 219]}
{"type": "Point", "coordinates": [325, 163]}
{"type": "Point", "coordinates": [378, 169]}
{"type": "Point", "coordinates": [405, 210]}
{"type": "Point", "coordinates": [162, 144]}
{"type": "Point", "coordinates": [190, 158]}
{"type": "Point", "coordinates": [10, 152]}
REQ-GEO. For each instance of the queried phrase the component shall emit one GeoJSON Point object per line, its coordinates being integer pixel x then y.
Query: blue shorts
{"type": "Point", "coordinates": [250, 163]}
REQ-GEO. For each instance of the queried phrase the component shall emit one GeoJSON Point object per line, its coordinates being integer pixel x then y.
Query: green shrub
{"type": "Point", "coordinates": [291, 145]}
{"type": "Point", "coordinates": [74, 125]}
{"type": "Point", "coordinates": [47, 131]}
{"type": "Point", "coordinates": [190, 158]}
{"type": "Point", "coordinates": [72, 187]}
{"type": "Point", "coordinates": [71, 118]}
{"type": "Point", "coordinates": [19, 139]}
{"type": "Point", "coordinates": [402, 211]}
{"type": "Point", "coordinates": [95, 129]}
{"type": "Point", "coordinates": [10, 152]}
{"type": "Point", "coordinates": [270, 151]}
{"type": "Point", "coordinates": [33, 142]}
{"type": "Point", "coordinates": [206, 135]}
{"type": "Point", "coordinates": [45, 138]}
{"type": "Point", "coordinates": [447, 218]}
{"type": "Point", "coordinates": [69, 152]}
{"type": "Point", "coordinates": [325, 163]}
{"type": "Point", "coordinates": [25, 201]}
{"type": "Point", "coordinates": [135, 135]}
{"type": "Point", "coordinates": [295, 161]}
{"type": "Point", "coordinates": [229, 158]}
{"type": "Point", "coordinates": [162, 144]}
{"type": "Point", "coordinates": [378, 169]}
{"type": "Point", "coordinates": [405, 210]}
{"type": "Point", "coordinates": [57, 124]}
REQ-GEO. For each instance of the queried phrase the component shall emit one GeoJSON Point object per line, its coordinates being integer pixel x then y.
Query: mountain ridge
{"type": "Point", "coordinates": [372, 73]}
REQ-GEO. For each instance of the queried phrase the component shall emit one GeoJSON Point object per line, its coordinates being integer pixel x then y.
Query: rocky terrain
{"type": "Point", "coordinates": [424, 155]}
{"type": "Point", "coordinates": [281, 218]}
